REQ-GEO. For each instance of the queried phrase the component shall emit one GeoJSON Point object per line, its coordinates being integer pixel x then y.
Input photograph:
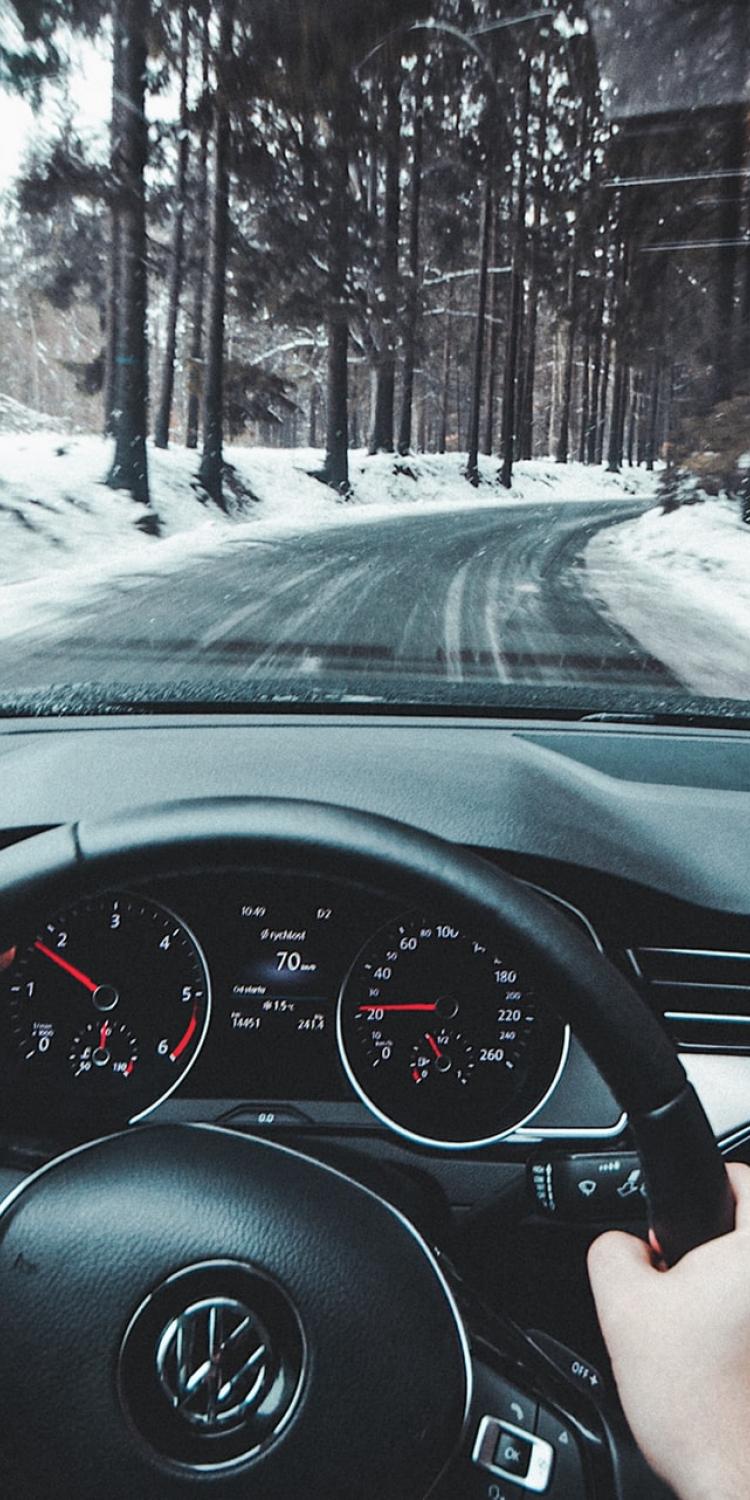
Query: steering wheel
{"type": "Point", "coordinates": [185, 1310]}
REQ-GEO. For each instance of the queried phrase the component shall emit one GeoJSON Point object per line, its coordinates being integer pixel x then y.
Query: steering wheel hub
{"type": "Point", "coordinates": [179, 1308]}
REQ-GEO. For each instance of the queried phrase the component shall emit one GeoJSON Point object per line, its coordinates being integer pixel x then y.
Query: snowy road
{"type": "Point", "coordinates": [466, 594]}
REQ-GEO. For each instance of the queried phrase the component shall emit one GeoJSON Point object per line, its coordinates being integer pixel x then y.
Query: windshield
{"type": "Point", "coordinates": [376, 350]}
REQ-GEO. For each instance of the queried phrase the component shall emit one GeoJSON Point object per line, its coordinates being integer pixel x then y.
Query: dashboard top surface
{"type": "Point", "coordinates": [666, 808]}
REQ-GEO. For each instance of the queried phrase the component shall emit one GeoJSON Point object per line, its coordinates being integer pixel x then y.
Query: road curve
{"type": "Point", "coordinates": [469, 594]}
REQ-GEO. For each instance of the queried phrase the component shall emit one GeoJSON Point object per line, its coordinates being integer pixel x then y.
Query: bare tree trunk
{"type": "Point", "coordinates": [596, 375]}
{"type": "Point", "coordinates": [412, 301]}
{"type": "Point", "coordinates": [164, 408]}
{"type": "Point", "coordinates": [423, 427]}
{"type": "Point", "coordinates": [563, 447]}
{"type": "Point", "coordinates": [635, 396]}
{"type": "Point", "coordinates": [446, 374]}
{"type": "Point", "coordinates": [489, 416]}
{"type": "Point", "coordinates": [211, 470]}
{"type": "Point", "coordinates": [373, 156]}
{"type": "Point", "coordinates": [730, 229]}
{"type": "Point", "coordinates": [513, 352]}
{"type": "Point", "coordinates": [563, 442]}
{"type": "Point", "coordinates": [602, 424]}
{"type": "Point", "coordinates": [529, 374]}
{"type": "Point", "coordinates": [195, 383]}
{"type": "Point", "coordinates": [668, 413]}
{"type": "Point", "coordinates": [619, 389]}
{"type": "Point", "coordinates": [614, 450]}
{"type": "Point", "coordinates": [36, 393]}
{"type": "Point", "coordinates": [472, 466]}
{"type": "Point", "coordinates": [653, 425]}
{"type": "Point", "coordinates": [336, 466]}
{"type": "Point", "coordinates": [585, 399]}
{"type": "Point", "coordinates": [381, 438]}
{"type": "Point", "coordinates": [113, 257]}
{"type": "Point", "coordinates": [553, 391]}
{"type": "Point", "coordinates": [312, 435]}
{"type": "Point", "coordinates": [130, 466]}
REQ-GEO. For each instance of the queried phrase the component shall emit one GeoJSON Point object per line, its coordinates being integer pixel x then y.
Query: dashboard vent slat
{"type": "Point", "coordinates": [703, 995]}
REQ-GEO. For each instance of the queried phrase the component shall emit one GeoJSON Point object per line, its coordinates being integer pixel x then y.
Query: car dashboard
{"type": "Point", "coordinates": [322, 1012]}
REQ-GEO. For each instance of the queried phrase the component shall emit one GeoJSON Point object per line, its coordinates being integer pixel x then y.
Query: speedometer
{"type": "Point", "coordinates": [108, 1008]}
{"type": "Point", "coordinates": [443, 1037]}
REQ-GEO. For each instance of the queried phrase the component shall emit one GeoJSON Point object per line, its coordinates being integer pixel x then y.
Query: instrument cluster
{"type": "Point", "coordinates": [272, 988]}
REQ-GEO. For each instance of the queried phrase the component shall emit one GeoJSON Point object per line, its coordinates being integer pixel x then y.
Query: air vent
{"type": "Point", "coordinates": [703, 994]}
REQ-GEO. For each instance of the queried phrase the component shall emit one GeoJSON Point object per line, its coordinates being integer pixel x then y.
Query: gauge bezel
{"type": "Point", "coordinates": [145, 898]}
{"type": "Point", "coordinates": [144, 1113]}
{"type": "Point", "coordinates": [431, 1142]}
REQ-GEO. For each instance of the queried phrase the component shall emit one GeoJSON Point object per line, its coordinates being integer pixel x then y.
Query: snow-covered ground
{"type": "Point", "coordinates": [64, 532]}
{"type": "Point", "coordinates": [680, 584]}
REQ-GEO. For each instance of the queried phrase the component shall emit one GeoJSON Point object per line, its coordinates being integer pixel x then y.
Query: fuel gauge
{"type": "Point", "coordinates": [442, 1054]}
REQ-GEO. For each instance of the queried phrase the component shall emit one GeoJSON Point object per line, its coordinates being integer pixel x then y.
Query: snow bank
{"type": "Point", "coordinates": [438, 479]}
{"type": "Point", "coordinates": [16, 417]}
{"type": "Point", "coordinates": [63, 532]}
{"type": "Point", "coordinates": [680, 584]}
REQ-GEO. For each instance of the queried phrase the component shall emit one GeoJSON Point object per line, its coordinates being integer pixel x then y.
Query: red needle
{"type": "Point", "coordinates": [182, 1044]}
{"type": "Point", "coordinates": [103, 1037]}
{"type": "Point", "coordinates": [433, 1044]}
{"type": "Point", "coordinates": [375, 1006]}
{"type": "Point", "coordinates": [69, 969]}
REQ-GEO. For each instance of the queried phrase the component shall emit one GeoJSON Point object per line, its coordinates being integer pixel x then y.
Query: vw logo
{"type": "Point", "coordinates": [212, 1361]}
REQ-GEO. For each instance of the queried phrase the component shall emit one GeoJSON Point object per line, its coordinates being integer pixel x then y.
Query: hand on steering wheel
{"type": "Point", "coordinates": [680, 1349]}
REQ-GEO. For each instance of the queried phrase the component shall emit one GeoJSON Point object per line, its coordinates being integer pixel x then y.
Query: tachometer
{"type": "Point", "coordinates": [109, 1006]}
{"type": "Point", "coordinates": [443, 1038]}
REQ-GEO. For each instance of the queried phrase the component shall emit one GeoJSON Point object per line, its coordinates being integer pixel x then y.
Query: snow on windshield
{"type": "Point", "coordinates": [404, 342]}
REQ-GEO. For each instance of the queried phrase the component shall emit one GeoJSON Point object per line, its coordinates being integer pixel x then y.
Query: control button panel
{"type": "Point", "coordinates": [510, 1453]}
{"type": "Point", "coordinates": [590, 1186]}
{"type": "Point", "coordinates": [521, 1447]}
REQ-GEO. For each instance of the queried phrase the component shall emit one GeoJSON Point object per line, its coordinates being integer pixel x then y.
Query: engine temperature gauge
{"type": "Point", "coordinates": [103, 1047]}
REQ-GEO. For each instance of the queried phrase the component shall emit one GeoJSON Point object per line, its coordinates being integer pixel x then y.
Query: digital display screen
{"type": "Point", "coordinates": [277, 950]}
{"type": "Point", "coordinates": [280, 1007]}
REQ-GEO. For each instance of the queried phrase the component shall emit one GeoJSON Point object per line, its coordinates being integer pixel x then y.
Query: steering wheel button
{"type": "Point", "coordinates": [513, 1454]}
{"type": "Point", "coordinates": [568, 1481]}
{"type": "Point", "coordinates": [509, 1453]}
{"type": "Point", "coordinates": [509, 1404]}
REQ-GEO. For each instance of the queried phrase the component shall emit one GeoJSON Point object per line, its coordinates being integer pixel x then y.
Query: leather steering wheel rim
{"type": "Point", "coordinates": [689, 1196]}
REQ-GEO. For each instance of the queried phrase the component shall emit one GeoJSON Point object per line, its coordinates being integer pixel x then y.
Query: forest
{"type": "Point", "coordinates": [406, 225]}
